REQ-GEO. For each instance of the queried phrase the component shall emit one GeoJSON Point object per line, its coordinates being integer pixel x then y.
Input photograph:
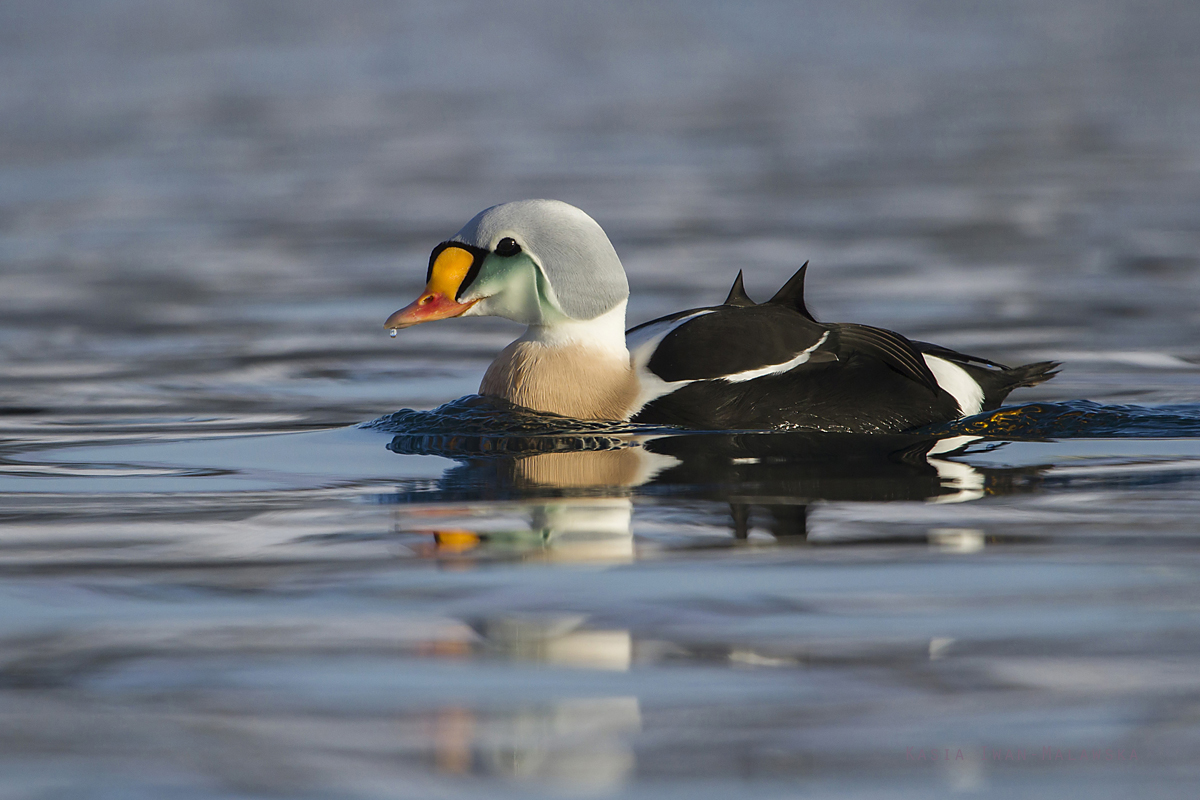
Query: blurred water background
{"type": "Point", "coordinates": [213, 585]}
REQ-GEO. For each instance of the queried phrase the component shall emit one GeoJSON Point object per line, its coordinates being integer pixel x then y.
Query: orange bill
{"type": "Point", "coordinates": [446, 276]}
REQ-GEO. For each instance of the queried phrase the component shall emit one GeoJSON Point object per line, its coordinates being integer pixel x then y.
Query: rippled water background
{"type": "Point", "coordinates": [213, 585]}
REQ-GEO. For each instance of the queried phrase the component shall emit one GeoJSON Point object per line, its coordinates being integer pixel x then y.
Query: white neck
{"type": "Point", "coordinates": [605, 333]}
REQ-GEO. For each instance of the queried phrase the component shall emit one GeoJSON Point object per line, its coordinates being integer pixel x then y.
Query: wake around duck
{"type": "Point", "coordinates": [739, 365]}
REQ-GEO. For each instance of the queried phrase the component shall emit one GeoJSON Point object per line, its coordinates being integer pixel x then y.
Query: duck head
{"type": "Point", "coordinates": [537, 262]}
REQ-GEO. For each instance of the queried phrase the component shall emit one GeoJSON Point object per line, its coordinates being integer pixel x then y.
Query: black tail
{"type": "Point", "coordinates": [998, 383]}
{"type": "Point", "coordinates": [1032, 374]}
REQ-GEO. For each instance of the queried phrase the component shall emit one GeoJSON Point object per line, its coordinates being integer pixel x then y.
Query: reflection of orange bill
{"type": "Point", "coordinates": [447, 274]}
{"type": "Point", "coordinates": [456, 541]}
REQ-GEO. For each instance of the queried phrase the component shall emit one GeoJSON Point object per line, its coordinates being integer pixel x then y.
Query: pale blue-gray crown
{"type": "Point", "coordinates": [570, 247]}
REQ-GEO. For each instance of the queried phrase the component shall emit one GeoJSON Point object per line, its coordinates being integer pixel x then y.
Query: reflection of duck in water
{"type": "Point", "coordinates": [739, 365]}
{"type": "Point", "coordinates": [579, 501]}
{"type": "Point", "coordinates": [795, 464]}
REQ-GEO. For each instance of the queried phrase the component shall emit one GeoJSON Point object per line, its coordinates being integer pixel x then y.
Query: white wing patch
{"type": "Point", "coordinates": [642, 343]}
{"type": "Point", "coordinates": [957, 383]}
{"type": "Point", "coordinates": [775, 369]}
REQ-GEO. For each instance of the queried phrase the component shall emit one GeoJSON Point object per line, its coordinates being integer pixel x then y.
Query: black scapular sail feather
{"type": "Point", "coordinates": [791, 294]}
{"type": "Point", "coordinates": [737, 294]}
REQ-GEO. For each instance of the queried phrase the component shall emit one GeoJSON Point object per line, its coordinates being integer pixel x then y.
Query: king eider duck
{"type": "Point", "coordinates": [740, 365]}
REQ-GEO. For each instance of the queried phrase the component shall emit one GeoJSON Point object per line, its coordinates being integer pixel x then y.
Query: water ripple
{"type": "Point", "coordinates": [1078, 419]}
{"type": "Point", "coordinates": [482, 426]}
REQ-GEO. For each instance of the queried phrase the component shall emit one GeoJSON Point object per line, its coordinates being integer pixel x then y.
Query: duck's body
{"type": "Point", "coordinates": [770, 366]}
{"type": "Point", "coordinates": [739, 365]}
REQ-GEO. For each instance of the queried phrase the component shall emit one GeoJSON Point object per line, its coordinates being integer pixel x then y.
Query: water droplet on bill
{"type": "Point", "coordinates": [392, 333]}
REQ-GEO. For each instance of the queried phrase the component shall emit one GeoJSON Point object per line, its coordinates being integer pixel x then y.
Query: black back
{"type": "Point", "coordinates": [856, 378]}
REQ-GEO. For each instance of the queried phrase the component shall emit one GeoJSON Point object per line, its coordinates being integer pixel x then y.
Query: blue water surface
{"type": "Point", "coordinates": [231, 568]}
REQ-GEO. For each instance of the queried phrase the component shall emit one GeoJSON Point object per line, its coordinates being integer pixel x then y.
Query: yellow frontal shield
{"type": "Point", "coordinates": [447, 273]}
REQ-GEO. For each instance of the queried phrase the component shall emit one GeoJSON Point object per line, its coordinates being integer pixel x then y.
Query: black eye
{"type": "Point", "coordinates": [507, 247]}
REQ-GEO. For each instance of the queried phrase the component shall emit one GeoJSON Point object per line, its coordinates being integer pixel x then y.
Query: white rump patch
{"type": "Point", "coordinates": [775, 369]}
{"type": "Point", "coordinates": [958, 383]}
